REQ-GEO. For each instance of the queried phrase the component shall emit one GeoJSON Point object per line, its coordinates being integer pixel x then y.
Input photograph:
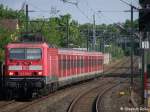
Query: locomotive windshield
{"type": "Point", "coordinates": [25, 53]}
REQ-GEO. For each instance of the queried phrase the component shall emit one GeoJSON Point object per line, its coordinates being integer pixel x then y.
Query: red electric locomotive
{"type": "Point", "coordinates": [34, 67]}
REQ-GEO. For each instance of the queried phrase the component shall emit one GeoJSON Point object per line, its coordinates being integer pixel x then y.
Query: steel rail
{"type": "Point", "coordinates": [81, 95]}
{"type": "Point", "coordinates": [98, 104]}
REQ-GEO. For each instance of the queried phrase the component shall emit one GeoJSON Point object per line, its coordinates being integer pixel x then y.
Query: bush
{"type": "Point", "coordinates": [116, 52]}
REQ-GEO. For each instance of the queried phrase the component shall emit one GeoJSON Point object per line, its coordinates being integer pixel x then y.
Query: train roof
{"type": "Point", "coordinates": [25, 44]}
{"type": "Point", "coordinates": [77, 52]}
{"type": "Point", "coordinates": [65, 51]}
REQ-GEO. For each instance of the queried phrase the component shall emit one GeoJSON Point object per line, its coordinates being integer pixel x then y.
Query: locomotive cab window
{"type": "Point", "coordinates": [25, 53]}
{"type": "Point", "coordinates": [17, 53]}
{"type": "Point", "coordinates": [33, 53]}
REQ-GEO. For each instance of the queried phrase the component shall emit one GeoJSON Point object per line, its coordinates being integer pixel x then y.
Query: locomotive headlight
{"type": "Point", "coordinates": [35, 67]}
{"type": "Point", "coordinates": [11, 73]}
{"type": "Point", "coordinates": [15, 67]}
{"type": "Point", "coordinates": [39, 73]}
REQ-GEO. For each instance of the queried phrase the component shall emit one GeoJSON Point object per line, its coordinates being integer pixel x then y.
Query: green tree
{"type": "Point", "coordinates": [6, 37]}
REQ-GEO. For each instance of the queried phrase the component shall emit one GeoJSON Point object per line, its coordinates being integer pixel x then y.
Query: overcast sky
{"type": "Point", "coordinates": [112, 10]}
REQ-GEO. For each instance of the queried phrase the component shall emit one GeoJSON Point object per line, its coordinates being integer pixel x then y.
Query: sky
{"type": "Point", "coordinates": [106, 11]}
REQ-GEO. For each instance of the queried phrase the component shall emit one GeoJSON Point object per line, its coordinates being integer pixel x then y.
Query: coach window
{"type": "Point", "coordinates": [60, 63]}
{"type": "Point", "coordinates": [82, 62]}
{"type": "Point", "coordinates": [77, 62]}
{"type": "Point", "coordinates": [71, 63]}
{"type": "Point", "coordinates": [89, 64]}
{"type": "Point", "coordinates": [68, 63]}
{"type": "Point", "coordinates": [74, 62]}
{"type": "Point", "coordinates": [100, 61]}
{"type": "Point", "coordinates": [92, 61]}
{"type": "Point", "coordinates": [64, 64]}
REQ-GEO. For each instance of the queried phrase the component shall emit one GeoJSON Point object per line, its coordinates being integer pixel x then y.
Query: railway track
{"type": "Point", "coordinates": [5, 103]}
{"type": "Point", "coordinates": [86, 101]}
{"type": "Point", "coordinates": [122, 68]}
{"type": "Point", "coordinates": [99, 102]}
{"type": "Point", "coordinates": [111, 67]}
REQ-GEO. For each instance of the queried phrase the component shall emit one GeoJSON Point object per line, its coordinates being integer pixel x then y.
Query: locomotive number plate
{"type": "Point", "coordinates": [25, 73]}
{"type": "Point", "coordinates": [25, 67]}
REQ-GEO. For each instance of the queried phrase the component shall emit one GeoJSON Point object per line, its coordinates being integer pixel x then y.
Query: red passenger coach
{"type": "Point", "coordinates": [78, 65]}
{"type": "Point", "coordinates": [34, 67]}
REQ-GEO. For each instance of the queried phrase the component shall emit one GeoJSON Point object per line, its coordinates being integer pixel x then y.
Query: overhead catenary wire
{"type": "Point", "coordinates": [39, 9]}
{"type": "Point", "coordinates": [93, 11]}
{"type": "Point", "coordinates": [109, 11]}
{"type": "Point", "coordinates": [83, 13]}
{"type": "Point", "coordinates": [129, 4]}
